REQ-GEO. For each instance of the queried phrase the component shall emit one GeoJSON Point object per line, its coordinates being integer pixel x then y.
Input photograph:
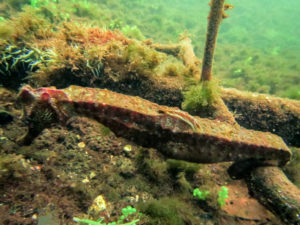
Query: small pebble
{"type": "Point", "coordinates": [98, 205]}
{"type": "Point", "coordinates": [85, 180]}
{"type": "Point", "coordinates": [127, 148]}
{"type": "Point", "coordinates": [81, 144]}
{"type": "Point", "coordinates": [92, 175]}
{"type": "Point", "coordinates": [34, 216]}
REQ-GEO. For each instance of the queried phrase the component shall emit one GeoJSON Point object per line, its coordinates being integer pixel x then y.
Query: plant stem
{"type": "Point", "coordinates": [214, 19]}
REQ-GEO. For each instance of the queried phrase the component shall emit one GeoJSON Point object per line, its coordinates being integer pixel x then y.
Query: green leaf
{"type": "Point", "coordinates": [222, 195]}
{"type": "Point", "coordinates": [200, 194]}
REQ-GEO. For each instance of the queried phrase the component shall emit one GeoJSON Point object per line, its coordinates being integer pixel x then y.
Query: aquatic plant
{"type": "Point", "coordinates": [27, 27]}
{"type": "Point", "coordinates": [15, 62]}
{"type": "Point", "coordinates": [133, 32]}
{"type": "Point", "coordinates": [84, 9]}
{"type": "Point", "coordinates": [222, 196]}
{"type": "Point", "coordinates": [203, 195]}
{"type": "Point", "coordinates": [168, 211]}
{"type": "Point", "coordinates": [200, 194]}
{"type": "Point", "coordinates": [189, 168]}
{"type": "Point", "coordinates": [34, 3]}
{"type": "Point", "coordinates": [115, 24]}
{"type": "Point", "coordinates": [126, 212]}
{"type": "Point", "coordinates": [208, 102]}
{"type": "Point", "coordinates": [13, 167]}
{"type": "Point", "coordinates": [203, 94]}
{"type": "Point", "coordinates": [38, 3]}
{"type": "Point", "coordinates": [153, 169]}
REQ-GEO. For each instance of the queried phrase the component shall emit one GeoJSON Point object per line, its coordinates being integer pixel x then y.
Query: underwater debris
{"type": "Point", "coordinates": [274, 190]}
{"type": "Point", "coordinates": [276, 115]}
{"type": "Point", "coordinates": [214, 19]}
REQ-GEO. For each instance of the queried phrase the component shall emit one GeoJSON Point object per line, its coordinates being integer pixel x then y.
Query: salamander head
{"type": "Point", "coordinates": [26, 95]}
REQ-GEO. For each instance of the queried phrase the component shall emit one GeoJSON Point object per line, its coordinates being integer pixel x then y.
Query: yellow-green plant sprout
{"type": "Point", "coordinates": [222, 196]}
{"type": "Point", "coordinates": [202, 195]}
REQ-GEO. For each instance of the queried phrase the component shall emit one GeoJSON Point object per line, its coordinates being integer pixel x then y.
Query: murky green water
{"type": "Point", "coordinates": [258, 45]}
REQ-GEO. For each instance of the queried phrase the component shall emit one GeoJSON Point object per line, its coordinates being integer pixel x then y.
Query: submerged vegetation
{"type": "Point", "coordinates": [200, 96]}
{"type": "Point", "coordinates": [105, 44]}
{"type": "Point", "coordinates": [249, 67]}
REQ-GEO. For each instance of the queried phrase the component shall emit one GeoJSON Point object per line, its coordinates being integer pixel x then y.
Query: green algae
{"type": "Point", "coordinates": [166, 211]}
{"type": "Point", "coordinates": [176, 166]}
{"type": "Point", "coordinates": [201, 95]}
{"type": "Point", "coordinates": [133, 32]}
{"type": "Point", "coordinates": [154, 169]}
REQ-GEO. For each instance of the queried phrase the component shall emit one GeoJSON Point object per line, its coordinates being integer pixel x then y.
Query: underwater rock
{"type": "Point", "coordinates": [174, 132]}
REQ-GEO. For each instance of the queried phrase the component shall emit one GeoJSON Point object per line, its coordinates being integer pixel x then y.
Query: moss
{"type": "Point", "coordinates": [13, 167]}
{"type": "Point", "coordinates": [171, 67]}
{"type": "Point", "coordinates": [154, 169]}
{"type": "Point", "coordinates": [133, 32]}
{"type": "Point", "coordinates": [6, 30]}
{"type": "Point", "coordinates": [81, 193]}
{"type": "Point", "coordinates": [166, 211]}
{"type": "Point", "coordinates": [292, 92]}
{"type": "Point", "coordinates": [177, 166]}
{"type": "Point", "coordinates": [201, 95]}
{"type": "Point", "coordinates": [41, 156]}
{"type": "Point", "coordinates": [112, 194]}
{"type": "Point", "coordinates": [84, 9]}
{"type": "Point", "coordinates": [29, 26]}
{"type": "Point", "coordinates": [183, 185]}
{"type": "Point", "coordinates": [141, 58]}
{"type": "Point", "coordinates": [105, 131]}
{"type": "Point", "coordinates": [17, 4]}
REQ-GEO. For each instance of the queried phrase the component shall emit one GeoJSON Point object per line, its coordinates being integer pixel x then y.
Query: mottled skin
{"type": "Point", "coordinates": [174, 132]}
